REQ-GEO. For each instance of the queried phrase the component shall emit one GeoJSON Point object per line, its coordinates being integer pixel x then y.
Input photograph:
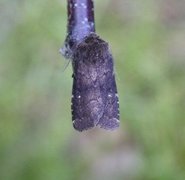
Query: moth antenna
{"type": "Point", "coordinates": [66, 65]}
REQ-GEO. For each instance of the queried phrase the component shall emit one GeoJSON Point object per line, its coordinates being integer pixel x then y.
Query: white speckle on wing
{"type": "Point", "coordinates": [109, 95]}
{"type": "Point", "coordinates": [78, 96]}
{"type": "Point", "coordinates": [117, 120]}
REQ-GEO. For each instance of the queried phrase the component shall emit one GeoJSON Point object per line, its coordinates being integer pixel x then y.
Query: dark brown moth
{"type": "Point", "coordinates": [94, 94]}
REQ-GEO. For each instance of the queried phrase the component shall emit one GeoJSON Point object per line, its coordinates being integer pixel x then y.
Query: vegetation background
{"type": "Point", "coordinates": [37, 140]}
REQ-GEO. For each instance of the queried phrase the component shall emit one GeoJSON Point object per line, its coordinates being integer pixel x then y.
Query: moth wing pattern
{"type": "Point", "coordinates": [80, 113]}
{"type": "Point", "coordinates": [110, 118]}
{"type": "Point", "coordinates": [94, 93]}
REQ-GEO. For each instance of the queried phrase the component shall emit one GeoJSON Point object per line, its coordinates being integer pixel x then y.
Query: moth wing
{"type": "Point", "coordinates": [81, 119]}
{"type": "Point", "coordinates": [95, 100]}
{"type": "Point", "coordinates": [110, 117]}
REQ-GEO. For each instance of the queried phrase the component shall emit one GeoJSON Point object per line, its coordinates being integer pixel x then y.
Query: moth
{"type": "Point", "coordinates": [94, 93]}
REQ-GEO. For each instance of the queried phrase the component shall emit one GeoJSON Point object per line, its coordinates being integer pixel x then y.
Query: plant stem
{"type": "Point", "coordinates": [80, 23]}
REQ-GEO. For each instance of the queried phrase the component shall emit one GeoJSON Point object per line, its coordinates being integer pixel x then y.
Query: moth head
{"type": "Point", "coordinates": [92, 50]}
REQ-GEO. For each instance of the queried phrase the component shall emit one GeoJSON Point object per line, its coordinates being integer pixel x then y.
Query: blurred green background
{"type": "Point", "coordinates": [37, 140]}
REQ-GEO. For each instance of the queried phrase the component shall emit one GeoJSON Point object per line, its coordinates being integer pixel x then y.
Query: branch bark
{"type": "Point", "coordinates": [80, 24]}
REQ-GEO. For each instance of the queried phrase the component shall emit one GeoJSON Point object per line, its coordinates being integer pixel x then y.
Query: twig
{"type": "Point", "coordinates": [80, 24]}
